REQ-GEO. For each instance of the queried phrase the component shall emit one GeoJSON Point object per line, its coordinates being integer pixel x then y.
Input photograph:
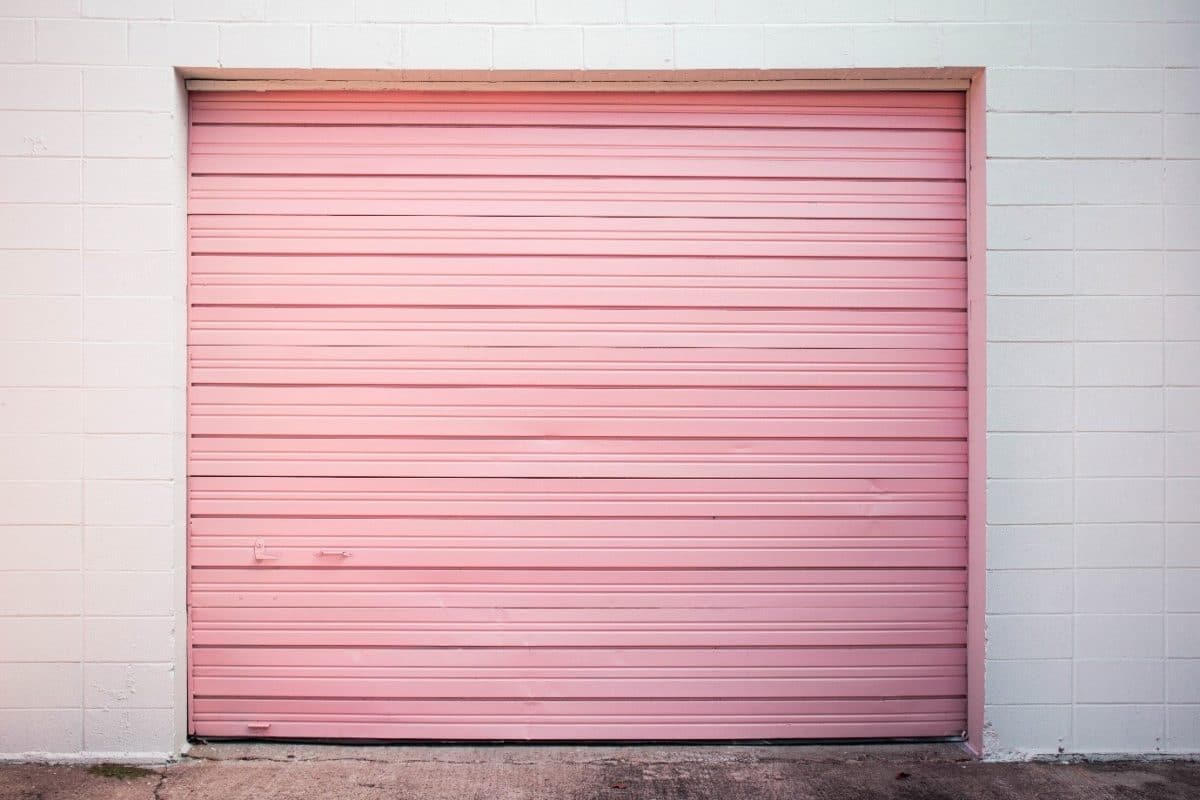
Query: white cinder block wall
{"type": "Point", "coordinates": [1093, 314]}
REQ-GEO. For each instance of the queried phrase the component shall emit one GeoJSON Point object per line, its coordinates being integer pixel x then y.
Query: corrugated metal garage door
{"type": "Point", "coordinates": [577, 415]}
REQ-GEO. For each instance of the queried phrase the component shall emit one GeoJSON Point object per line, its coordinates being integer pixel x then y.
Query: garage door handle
{"type": "Point", "coordinates": [260, 551]}
{"type": "Point", "coordinates": [338, 553]}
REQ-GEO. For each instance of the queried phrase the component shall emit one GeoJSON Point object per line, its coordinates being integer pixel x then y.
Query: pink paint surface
{"type": "Point", "coordinates": [591, 416]}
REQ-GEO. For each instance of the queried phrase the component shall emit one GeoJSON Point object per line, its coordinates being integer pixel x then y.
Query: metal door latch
{"type": "Point", "coordinates": [338, 553]}
{"type": "Point", "coordinates": [260, 551]}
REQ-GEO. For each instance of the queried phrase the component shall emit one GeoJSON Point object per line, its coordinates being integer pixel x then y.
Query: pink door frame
{"type": "Point", "coordinates": [976, 158]}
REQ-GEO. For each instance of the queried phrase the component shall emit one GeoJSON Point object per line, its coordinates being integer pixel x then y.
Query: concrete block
{"type": "Point", "coordinates": [1118, 455]}
{"type": "Point", "coordinates": [628, 47]}
{"type": "Point", "coordinates": [719, 46]}
{"type": "Point", "coordinates": [265, 45]}
{"type": "Point", "coordinates": [1127, 545]}
{"type": "Point", "coordinates": [1119, 500]}
{"type": "Point", "coordinates": [537, 47]}
{"type": "Point", "coordinates": [446, 46]}
{"type": "Point", "coordinates": [1118, 364]}
{"type": "Point", "coordinates": [82, 41]}
{"type": "Point", "coordinates": [376, 45]}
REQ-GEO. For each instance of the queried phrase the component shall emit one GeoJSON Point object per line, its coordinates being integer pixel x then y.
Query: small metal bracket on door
{"type": "Point", "coordinates": [338, 553]}
{"type": "Point", "coordinates": [260, 551]}
{"type": "Point", "coordinates": [258, 726]}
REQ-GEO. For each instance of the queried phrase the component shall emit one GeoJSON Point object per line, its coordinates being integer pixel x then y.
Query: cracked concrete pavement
{"type": "Point", "coordinates": [577, 772]}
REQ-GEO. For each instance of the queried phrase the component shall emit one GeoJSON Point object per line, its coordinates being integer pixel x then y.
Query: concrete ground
{"type": "Point", "coordinates": [569, 772]}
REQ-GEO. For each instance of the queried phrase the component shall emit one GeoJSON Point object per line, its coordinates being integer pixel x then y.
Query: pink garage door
{"type": "Point", "coordinates": [555, 416]}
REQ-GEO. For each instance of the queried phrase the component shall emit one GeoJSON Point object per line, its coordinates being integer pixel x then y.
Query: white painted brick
{"type": "Point", "coordinates": [309, 11]}
{"type": "Point", "coordinates": [1180, 45]}
{"type": "Point", "coordinates": [670, 11]}
{"type": "Point", "coordinates": [129, 594]}
{"type": "Point", "coordinates": [36, 410]}
{"type": "Point", "coordinates": [1183, 729]}
{"type": "Point", "coordinates": [1119, 409]}
{"type": "Point", "coordinates": [491, 10]}
{"type": "Point", "coordinates": [81, 41]}
{"type": "Point", "coordinates": [1030, 455]}
{"type": "Point", "coordinates": [41, 730]}
{"type": "Point", "coordinates": [1118, 182]}
{"type": "Point", "coordinates": [39, 180]}
{"type": "Point", "coordinates": [128, 456]}
{"type": "Point", "coordinates": [16, 41]}
{"type": "Point", "coordinates": [1123, 681]}
{"type": "Point", "coordinates": [1026, 636]}
{"type": "Point", "coordinates": [1181, 135]}
{"type": "Point", "coordinates": [131, 275]}
{"type": "Point", "coordinates": [585, 12]}
{"type": "Point", "coordinates": [1183, 636]}
{"type": "Point", "coordinates": [1029, 409]}
{"type": "Point", "coordinates": [1028, 135]}
{"type": "Point", "coordinates": [40, 133]}
{"type": "Point", "coordinates": [52, 227]}
{"type": "Point", "coordinates": [1183, 454]}
{"type": "Point", "coordinates": [132, 364]}
{"type": "Point", "coordinates": [858, 11]}
{"type": "Point", "coordinates": [1118, 135]}
{"type": "Point", "coordinates": [1029, 547]}
{"type": "Point", "coordinates": [1030, 227]}
{"type": "Point", "coordinates": [1183, 227]}
{"type": "Point", "coordinates": [1118, 364]}
{"type": "Point", "coordinates": [1098, 45]}
{"type": "Point", "coordinates": [128, 134]}
{"type": "Point", "coordinates": [1025, 591]}
{"type": "Point", "coordinates": [225, 10]}
{"type": "Point", "coordinates": [1118, 10]}
{"type": "Point", "coordinates": [45, 685]}
{"type": "Point", "coordinates": [401, 10]}
{"type": "Point", "coordinates": [125, 639]}
{"type": "Point", "coordinates": [41, 547]}
{"type": "Point", "coordinates": [446, 46]}
{"type": "Point", "coordinates": [1118, 318]}
{"type": "Point", "coordinates": [1024, 272]}
{"type": "Point", "coordinates": [39, 639]}
{"type": "Point", "coordinates": [1029, 182]}
{"type": "Point", "coordinates": [41, 593]}
{"type": "Point", "coordinates": [1011, 89]}
{"type": "Point", "coordinates": [1183, 501]}
{"type": "Point", "coordinates": [139, 410]}
{"type": "Point", "coordinates": [41, 456]}
{"type": "Point", "coordinates": [41, 364]}
{"type": "Point", "coordinates": [129, 319]}
{"type": "Point", "coordinates": [794, 46]}
{"type": "Point", "coordinates": [1024, 502]}
{"type": "Point", "coordinates": [128, 503]}
{"type": "Point", "coordinates": [1183, 681]}
{"type": "Point", "coordinates": [940, 10]}
{"type": "Point", "coordinates": [619, 47]}
{"type": "Point", "coordinates": [1127, 545]}
{"type": "Point", "coordinates": [1030, 364]}
{"type": "Point", "coordinates": [1118, 455]}
{"type": "Point", "coordinates": [41, 272]}
{"type": "Point", "coordinates": [129, 9]}
{"type": "Point", "coordinates": [1039, 728]}
{"type": "Point", "coordinates": [128, 686]}
{"type": "Point", "coordinates": [1183, 409]}
{"type": "Point", "coordinates": [186, 44]}
{"type": "Point", "coordinates": [263, 45]}
{"type": "Point", "coordinates": [1119, 273]}
{"type": "Point", "coordinates": [39, 8]}
{"type": "Point", "coordinates": [34, 88]}
{"type": "Point", "coordinates": [719, 47]}
{"type": "Point", "coordinates": [129, 89]}
{"type": "Point", "coordinates": [1118, 728]}
{"type": "Point", "coordinates": [1024, 682]}
{"type": "Point", "coordinates": [1119, 500]}
{"type": "Point", "coordinates": [123, 730]}
{"type": "Point", "coordinates": [128, 548]}
{"type": "Point", "coordinates": [988, 44]}
{"type": "Point", "coordinates": [1119, 90]}
{"type": "Point", "coordinates": [1118, 635]}
{"type": "Point", "coordinates": [1181, 11]}
{"type": "Point", "coordinates": [897, 46]}
{"type": "Point", "coordinates": [537, 47]}
{"type": "Point", "coordinates": [1029, 319]}
{"type": "Point", "coordinates": [33, 502]}
{"type": "Point", "coordinates": [761, 11]}
{"type": "Point", "coordinates": [120, 227]}
{"type": "Point", "coordinates": [375, 45]}
{"type": "Point", "coordinates": [1183, 317]}
{"type": "Point", "coordinates": [1183, 590]}
{"type": "Point", "coordinates": [33, 318]}
{"type": "Point", "coordinates": [1182, 273]}
{"type": "Point", "coordinates": [129, 180]}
